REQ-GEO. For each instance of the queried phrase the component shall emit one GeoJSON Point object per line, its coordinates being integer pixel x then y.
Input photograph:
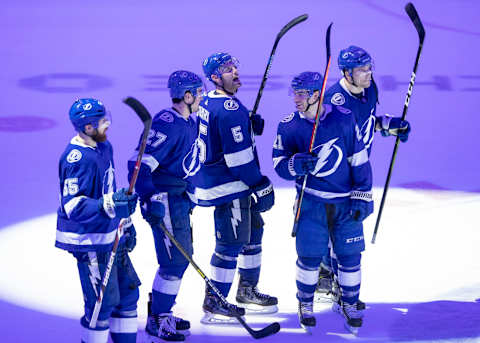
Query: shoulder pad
{"type": "Point", "coordinates": [74, 155]}
{"type": "Point", "coordinates": [337, 99]}
{"type": "Point", "coordinates": [288, 118]}
{"type": "Point", "coordinates": [166, 116]}
{"type": "Point", "coordinates": [231, 105]}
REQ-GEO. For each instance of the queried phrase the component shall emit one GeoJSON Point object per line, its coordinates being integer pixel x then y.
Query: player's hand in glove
{"type": "Point", "coordinates": [257, 124]}
{"type": "Point", "coordinates": [264, 194]}
{"type": "Point", "coordinates": [361, 205]}
{"type": "Point", "coordinates": [153, 210]}
{"type": "Point", "coordinates": [118, 204]}
{"type": "Point", "coordinates": [396, 127]}
{"type": "Point", "coordinates": [130, 238]}
{"type": "Point", "coordinates": [302, 163]}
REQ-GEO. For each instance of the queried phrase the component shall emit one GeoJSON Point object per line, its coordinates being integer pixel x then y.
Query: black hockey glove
{"type": "Point", "coordinates": [302, 163]}
{"type": "Point", "coordinates": [130, 238]}
{"type": "Point", "coordinates": [257, 124]}
{"type": "Point", "coordinates": [264, 194]}
{"type": "Point", "coordinates": [395, 126]}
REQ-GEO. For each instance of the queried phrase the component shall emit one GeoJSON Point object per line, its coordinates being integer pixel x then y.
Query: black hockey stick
{"type": "Point", "coordinates": [412, 13]}
{"type": "Point", "coordinates": [266, 331]}
{"type": "Point", "coordinates": [146, 119]}
{"type": "Point", "coordinates": [315, 126]}
{"type": "Point", "coordinates": [282, 32]}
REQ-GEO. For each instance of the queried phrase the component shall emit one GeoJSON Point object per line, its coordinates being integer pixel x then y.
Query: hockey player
{"type": "Point", "coordinates": [162, 188]}
{"type": "Point", "coordinates": [90, 211]}
{"type": "Point", "coordinates": [358, 92]}
{"type": "Point", "coordinates": [228, 176]}
{"type": "Point", "coordinates": [337, 195]}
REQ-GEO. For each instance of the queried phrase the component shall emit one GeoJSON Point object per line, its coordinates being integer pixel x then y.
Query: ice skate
{"type": "Point", "coordinates": [255, 302]}
{"type": "Point", "coordinates": [163, 327]}
{"type": "Point", "coordinates": [218, 313]}
{"type": "Point", "coordinates": [181, 325]}
{"type": "Point", "coordinates": [323, 290]}
{"type": "Point", "coordinates": [352, 316]}
{"type": "Point", "coordinates": [305, 316]}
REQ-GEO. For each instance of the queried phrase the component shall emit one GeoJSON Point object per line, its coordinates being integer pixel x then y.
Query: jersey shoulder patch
{"type": "Point", "coordinates": [337, 99]}
{"type": "Point", "coordinates": [166, 117]}
{"type": "Point", "coordinates": [74, 155]}
{"type": "Point", "coordinates": [288, 118]}
{"type": "Point", "coordinates": [231, 105]}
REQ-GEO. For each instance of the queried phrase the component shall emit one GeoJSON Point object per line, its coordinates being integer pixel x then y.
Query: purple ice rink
{"type": "Point", "coordinates": [54, 51]}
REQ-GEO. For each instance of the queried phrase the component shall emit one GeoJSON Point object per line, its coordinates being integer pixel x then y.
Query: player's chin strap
{"type": "Point", "coordinates": [309, 104]}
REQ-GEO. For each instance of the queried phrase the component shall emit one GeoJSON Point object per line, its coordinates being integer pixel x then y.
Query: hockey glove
{"type": "Point", "coordinates": [257, 124]}
{"type": "Point", "coordinates": [302, 163]}
{"type": "Point", "coordinates": [361, 205]}
{"type": "Point", "coordinates": [264, 194]}
{"type": "Point", "coordinates": [130, 238]}
{"type": "Point", "coordinates": [396, 127]}
{"type": "Point", "coordinates": [118, 204]}
{"type": "Point", "coordinates": [153, 210]}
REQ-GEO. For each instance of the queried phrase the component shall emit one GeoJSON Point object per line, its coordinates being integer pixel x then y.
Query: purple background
{"type": "Point", "coordinates": [55, 51]}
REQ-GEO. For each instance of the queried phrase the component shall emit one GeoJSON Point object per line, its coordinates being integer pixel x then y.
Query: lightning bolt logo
{"type": "Point", "coordinates": [326, 150]}
{"type": "Point", "coordinates": [236, 216]}
{"type": "Point", "coordinates": [168, 244]}
{"type": "Point", "coordinates": [94, 274]}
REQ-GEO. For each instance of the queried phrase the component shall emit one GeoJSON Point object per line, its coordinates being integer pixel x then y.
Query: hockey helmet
{"type": "Point", "coordinates": [182, 81]}
{"type": "Point", "coordinates": [86, 111]}
{"type": "Point", "coordinates": [308, 80]}
{"type": "Point", "coordinates": [213, 63]}
{"type": "Point", "coordinates": [353, 57]}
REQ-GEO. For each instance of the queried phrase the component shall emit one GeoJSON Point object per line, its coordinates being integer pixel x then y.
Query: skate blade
{"type": "Point", "coordinates": [184, 332]}
{"type": "Point", "coordinates": [218, 319]}
{"type": "Point", "coordinates": [258, 309]}
{"type": "Point", "coordinates": [308, 329]}
{"type": "Point", "coordinates": [351, 329]}
{"type": "Point", "coordinates": [155, 339]}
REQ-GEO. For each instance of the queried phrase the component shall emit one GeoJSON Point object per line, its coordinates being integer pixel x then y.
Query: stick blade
{"type": "Point", "coordinates": [266, 331]}
{"type": "Point", "coordinates": [291, 24]}
{"type": "Point", "coordinates": [327, 40]}
{"type": "Point", "coordinates": [139, 109]}
{"type": "Point", "coordinates": [413, 14]}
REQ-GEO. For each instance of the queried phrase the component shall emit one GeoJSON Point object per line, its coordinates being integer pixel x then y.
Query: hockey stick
{"type": "Point", "coordinates": [315, 126]}
{"type": "Point", "coordinates": [266, 331]}
{"type": "Point", "coordinates": [412, 13]}
{"type": "Point", "coordinates": [282, 32]}
{"type": "Point", "coordinates": [146, 119]}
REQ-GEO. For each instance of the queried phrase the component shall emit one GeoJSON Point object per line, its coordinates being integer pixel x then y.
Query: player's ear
{"type": "Point", "coordinates": [216, 79]}
{"type": "Point", "coordinates": [315, 96]}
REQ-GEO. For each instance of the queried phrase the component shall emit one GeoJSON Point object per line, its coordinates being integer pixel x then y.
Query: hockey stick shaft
{"type": "Point", "coordinates": [267, 331]}
{"type": "Point", "coordinates": [412, 13]}
{"type": "Point", "coordinates": [146, 118]}
{"type": "Point", "coordinates": [314, 130]}
{"type": "Point", "coordinates": [282, 32]}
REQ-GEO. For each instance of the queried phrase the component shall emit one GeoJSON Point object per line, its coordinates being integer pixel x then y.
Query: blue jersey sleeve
{"type": "Point", "coordinates": [237, 145]}
{"type": "Point", "coordinates": [283, 150]}
{"type": "Point", "coordinates": [76, 186]}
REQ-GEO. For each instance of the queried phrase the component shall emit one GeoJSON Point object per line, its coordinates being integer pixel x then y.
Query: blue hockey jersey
{"type": "Point", "coordinates": [86, 174]}
{"type": "Point", "coordinates": [364, 107]}
{"type": "Point", "coordinates": [166, 161]}
{"type": "Point", "coordinates": [343, 164]}
{"type": "Point", "coordinates": [225, 148]}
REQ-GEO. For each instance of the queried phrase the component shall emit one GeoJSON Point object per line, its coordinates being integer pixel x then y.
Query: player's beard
{"type": "Point", "coordinates": [99, 137]}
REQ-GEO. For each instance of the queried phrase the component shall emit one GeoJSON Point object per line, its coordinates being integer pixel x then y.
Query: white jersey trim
{"type": "Point", "coordinates": [71, 204]}
{"type": "Point", "coordinates": [239, 158]}
{"type": "Point", "coordinates": [249, 261]}
{"type": "Point", "coordinates": [123, 325]}
{"type": "Point", "coordinates": [325, 195]}
{"type": "Point", "coordinates": [219, 191]}
{"type": "Point", "coordinates": [358, 158]}
{"type": "Point", "coordinates": [147, 159]}
{"type": "Point", "coordinates": [223, 275]}
{"type": "Point", "coordinates": [86, 238]}
{"type": "Point", "coordinates": [165, 286]}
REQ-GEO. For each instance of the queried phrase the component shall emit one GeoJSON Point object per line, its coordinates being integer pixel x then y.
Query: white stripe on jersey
{"type": "Point", "coordinates": [218, 191]}
{"type": "Point", "coordinates": [165, 286]}
{"type": "Point", "coordinates": [86, 238]}
{"type": "Point", "coordinates": [358, 158]}
{"type": "Point", "coordinates": [249, 261]}
{"type": "Point", "coordinates": [276, 160]}
{"type": "Point", "coordinates": [224, 275]}
{"type": "Point", "coordinates": [71, 204]}
{"type": "Point", "coordinates": [147, 159]}
{"type": "Point", "coordinates": [123, 325]}
{"type": "Point", "coordinates": [307, 277]}
{"type": "Point", "coordinates": [325, 195]}
{"type": "Point", "coordinates": [239, 158]}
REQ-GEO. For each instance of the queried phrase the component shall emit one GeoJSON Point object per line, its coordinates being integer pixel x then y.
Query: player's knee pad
{"type": "Point", "coordinates": [230, 250]}
{"type": "Point", "coordinates": [350, 260]}
{"type": "Point", "coordinates": [232, 222]}
{"type": "Point", "coordinates": [172, 272]}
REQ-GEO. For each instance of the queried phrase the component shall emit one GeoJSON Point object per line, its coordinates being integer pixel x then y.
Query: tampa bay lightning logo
{"type": "Point", "coordinates": [230, 105]}
{"type": "Point", "coordinates": [108, 179]}
{"type": "Point", "coordinates": [166, 116]}
{"type": "Point", "coordinates": [191, 162]}
{"type": "Point", "coordinates": [337, 99]}
{"type": "Point", "coordinates": [288, 118]}
{"type": "Point", "coordinates": [367, 130]}
{"type": "Point", "coordinates": [326, 152]}
{"type": "Point", "coordinates": [74, 156]}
